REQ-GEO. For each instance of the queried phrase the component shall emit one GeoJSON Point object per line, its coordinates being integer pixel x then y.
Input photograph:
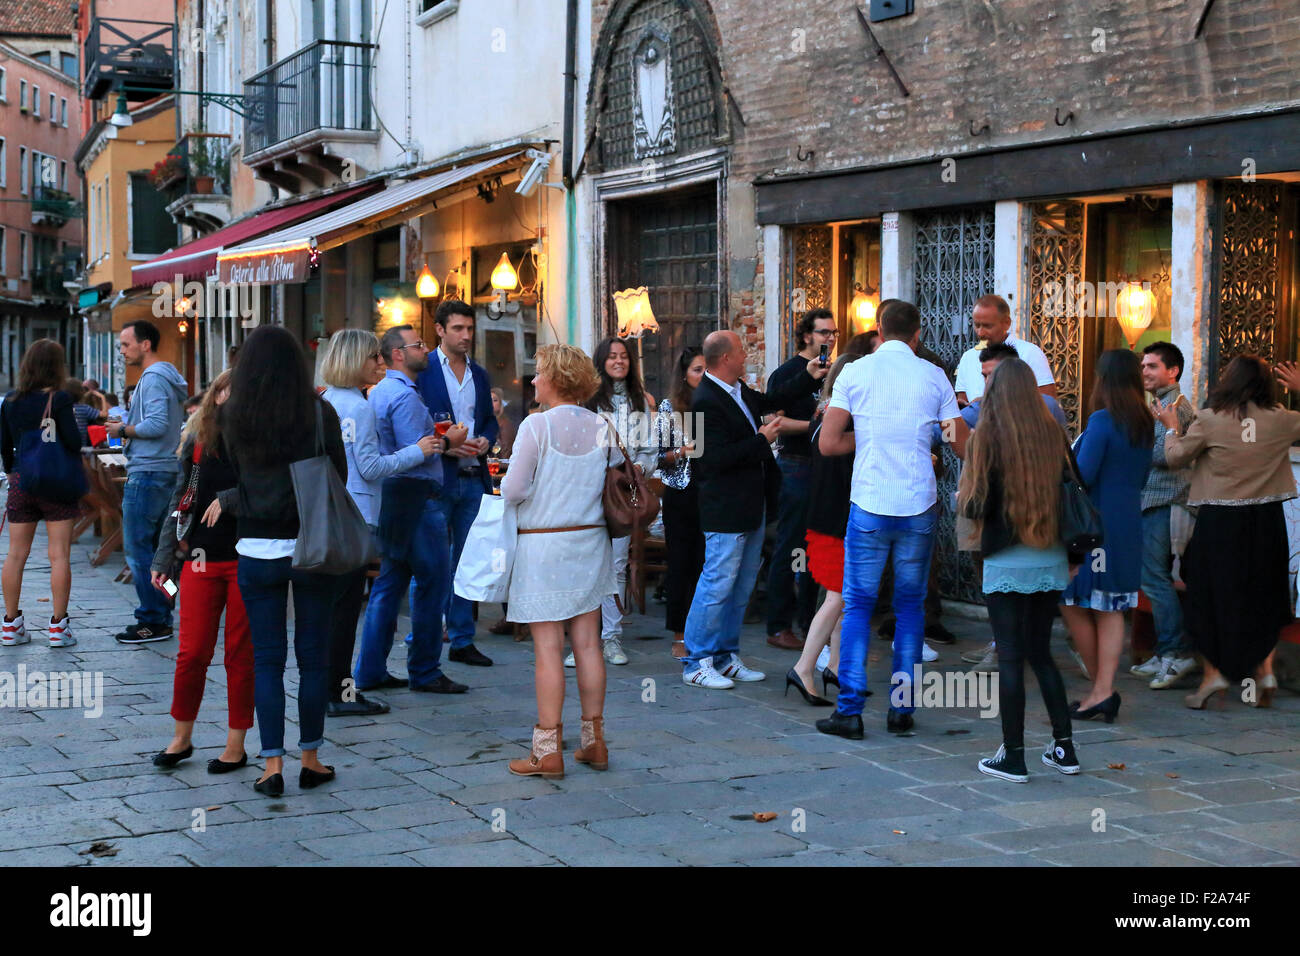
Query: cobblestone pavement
{"type": "Point", "coordinates": [427, 784]}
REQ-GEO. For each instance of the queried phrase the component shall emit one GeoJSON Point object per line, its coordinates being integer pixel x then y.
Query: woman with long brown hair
{"type": "Point", "coordinates": [1114, 455]}
{"type": "Point", "coordinates": [200, 558]}
{"type": "Point", "coordinates": [27, 409]}
{"type": "Point", "coordinates": [681, 501]}
{"type": "Point", "coordinates": [1235, 566]}
{"type": "Point", "coordinates": [1011, 488]}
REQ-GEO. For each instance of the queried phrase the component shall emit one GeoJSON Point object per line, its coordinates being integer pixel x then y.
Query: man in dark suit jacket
{"type": "Point", "coordinates": [455, 385]}
{"type": "Point", "coordinates": [739, 483]}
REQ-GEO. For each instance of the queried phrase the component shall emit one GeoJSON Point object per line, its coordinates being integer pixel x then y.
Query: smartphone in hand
{"type": "Point", "coordinates": [170, 587]}
{"type": "Point", "coordinates": [825, 354]}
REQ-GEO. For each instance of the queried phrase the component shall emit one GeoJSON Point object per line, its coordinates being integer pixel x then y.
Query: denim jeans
{"type": "Point", "coordinates": [144, 508]}
{"type": "Point", "coordinates": [730, 569]}
{"type": "Point", "coordinates": [790, 594]}
{"type": "Point", "coordinates": [460, 503]}
{"type": "Point", "coordinates": [1158, 584]}
{"type": "Point", "coordinates": [427, 559]}
{"type": "Point", "coordinates": [870, 542]}
{"type": "Point", "coordinates": [264, 586]}
{"type": "Point", "coordinates": [1022, 627]}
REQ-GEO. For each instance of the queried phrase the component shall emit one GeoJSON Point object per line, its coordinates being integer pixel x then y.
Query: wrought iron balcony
{"type": "Point", "coordinates": [204, 206]}
{"type": "Point", "coordinates": [53, 207]}
{"type": "Point", "coordinates": [48, 279]}
{"type": "Point", "coordinates": [323, 86]}
{"type": "Point", "coordinates": [129, 53]}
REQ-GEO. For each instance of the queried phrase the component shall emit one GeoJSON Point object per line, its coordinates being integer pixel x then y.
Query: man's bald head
{"type": "Point", "coordinates": [718, 345]}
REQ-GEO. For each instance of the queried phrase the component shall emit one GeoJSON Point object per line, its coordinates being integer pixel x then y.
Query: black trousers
{"type": "Point", "coordinates": [343, 629]}
{"type": "Point", "coordinates": [1022, 626]}
{"type": "Point", "coordinates": [685, 542]}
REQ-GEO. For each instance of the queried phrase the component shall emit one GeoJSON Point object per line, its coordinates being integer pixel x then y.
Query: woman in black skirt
{"type": "Point", "coordinates": [681, 509]}
{"type": "Point", "coordinates": [1236, 564]}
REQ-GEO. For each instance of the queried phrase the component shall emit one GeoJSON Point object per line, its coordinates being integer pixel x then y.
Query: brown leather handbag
{"type": "Point", "coordinates": [629, 503]}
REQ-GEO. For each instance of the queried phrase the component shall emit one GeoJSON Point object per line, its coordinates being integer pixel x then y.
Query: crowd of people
{"type": "Point", "coordinates": [843, 455]}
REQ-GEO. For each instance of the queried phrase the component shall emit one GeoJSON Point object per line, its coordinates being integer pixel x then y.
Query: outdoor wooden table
{"type": "Point", "coordinates": [105, 475]}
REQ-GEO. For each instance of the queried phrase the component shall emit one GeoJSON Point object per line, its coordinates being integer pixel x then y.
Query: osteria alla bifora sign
{"type": "Point", "coordinates": [267, 267]}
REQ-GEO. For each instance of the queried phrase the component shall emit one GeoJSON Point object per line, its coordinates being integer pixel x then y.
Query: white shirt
{"type": "Point", "coordinates": [266, 549]}
{"type": "Point", "coordinates": [734, 392]}
{"type": "Point", "coordinates": [970, 376]}
{"type": "Point", "coordinates": [462, 395]}
{"type": "Point", "coordinates": [895, 399]}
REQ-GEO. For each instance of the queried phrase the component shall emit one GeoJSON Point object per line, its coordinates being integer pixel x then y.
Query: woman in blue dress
{"type": "Point", "coordinates": [1114, 455]}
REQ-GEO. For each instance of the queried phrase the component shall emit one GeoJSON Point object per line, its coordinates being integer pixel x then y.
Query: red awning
{"type": "Point", "coordinates": [197, 259]}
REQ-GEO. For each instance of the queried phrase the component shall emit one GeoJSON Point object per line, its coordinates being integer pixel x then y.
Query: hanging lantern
{"type": "Point", "coordinates": [862, 311]}
{"type": "Point", "coordinates": [634, 313]}
{"type": "Point", "coordinates": [504, 277]}
{"type": "Point", "coordinates": [1135, 307]}
{"type": "Point", "coordinates": [182, 327]}
{"type": "Point", "coordinates": [426, 286]}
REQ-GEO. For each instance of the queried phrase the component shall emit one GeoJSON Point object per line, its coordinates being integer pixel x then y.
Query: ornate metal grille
{"type": "Point", "coordinates": [808, 266]}
{"type": "Point", "coordinates": [1055, 252]}
{"type": "Point", "coordinates": [693, 107]}
{"type": "Point", "coordinates": [954, 267]}
{"type": "Point", "coordinates": [1248, 292]}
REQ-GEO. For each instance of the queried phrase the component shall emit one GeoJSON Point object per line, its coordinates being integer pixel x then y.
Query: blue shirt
{"type": "Point", "coordinates": [402, 419]}
{"type": "Point", "coordinates": [971, 413]}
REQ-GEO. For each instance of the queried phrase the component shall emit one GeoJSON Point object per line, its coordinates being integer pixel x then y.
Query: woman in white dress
{"type": "Point", "coordinates": [563, 567]}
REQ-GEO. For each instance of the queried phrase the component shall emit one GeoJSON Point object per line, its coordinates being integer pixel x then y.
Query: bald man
{"type": "Point", "coordinates": [739, 486]}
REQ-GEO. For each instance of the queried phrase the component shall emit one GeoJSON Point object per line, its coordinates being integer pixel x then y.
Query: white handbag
{"type": "Point", "coordinates": [483, 572]}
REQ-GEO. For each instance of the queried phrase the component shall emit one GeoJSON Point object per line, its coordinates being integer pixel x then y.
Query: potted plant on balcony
{"type": "Point", "coordinates": [166, 171]}
{"type": "Point", "coordinates": [221, 170]}
{"type": "Point", "coordinates": [202, 164]}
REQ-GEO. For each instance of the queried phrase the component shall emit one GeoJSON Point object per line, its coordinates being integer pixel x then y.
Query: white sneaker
{"type": "Point", "coordinates": [706, 676]}
{"type": "Point", "coordinates": [1149, 668]}
{"type": "Point", "coordinates": [14, 632]}
{"type": "Point", "coordinates": [824, 659]}
{"type": "Point", "coordinates": [735, 669]}
{"type": "Point", "coordinates": [61, 633]}
{"type": "Point", "coordinates": [1175, 670]}
{"type": "Point", "coordinates": [928, 653]}
{"type": "Point", "coordinates": [613, 651]}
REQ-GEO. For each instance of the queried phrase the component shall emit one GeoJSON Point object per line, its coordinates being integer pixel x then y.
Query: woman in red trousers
{"type": "Point", "coordinates": [198, 547]}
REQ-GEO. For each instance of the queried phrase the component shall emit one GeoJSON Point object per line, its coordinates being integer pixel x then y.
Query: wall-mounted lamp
{"type": "Point", "coordinates": [635, 316]}
{"type": "Point", "coordinates": [1135, 307]}
{"type": "Point", "coordinates": [862, 311]}
{"type": "Point", "coordinates": [183, 327]}
{"type": "Point", "coordinates": [426, 286]}
{"type": "Point", "coordinates": [504, 281]}
{"type": "Point", "coordinates": [121, 117]}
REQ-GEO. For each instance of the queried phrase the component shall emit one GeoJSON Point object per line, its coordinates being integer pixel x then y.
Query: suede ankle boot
{"type": "Point", "coordinates": [545, 760]}
{"type": "Point", "coordinates": [593, 751]}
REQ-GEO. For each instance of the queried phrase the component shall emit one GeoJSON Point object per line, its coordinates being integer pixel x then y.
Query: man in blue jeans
{"type": "Point", "coordinates": [456, 386]}
{"type": "Point", "coordinates": [153, 432]}
{"type": "Point", "coordinates": [893, 399]}
{"type": "Point", "coordinates": [412, 531]}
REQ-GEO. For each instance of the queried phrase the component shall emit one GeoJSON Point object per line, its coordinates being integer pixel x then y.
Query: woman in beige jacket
{"type": "Point", "coordinates": [1236, 564]}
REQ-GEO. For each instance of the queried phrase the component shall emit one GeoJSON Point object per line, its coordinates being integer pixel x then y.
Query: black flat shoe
{"type": "Point", "coordinates": [167, 760]}
{"type": "Point", "coordinates": [217, 765]}
{"type": "Point", "coordinates": [792, 679]}
{"type": "Point", "coordinates": [272, 786]}
{"type": "Point", "coordinates": [307, 778]}
{"type": "Point", "coordinates": [469, 654]}
{"type": "Point", "coordinates": [361, 707]}
{"type": "Point", "coordinates": [897, 723]}
{"type": "Point", "coordinates": [387, 683]}
{"type": "Point", "coordinates": [1108, 710]}
{"type": "Point", "coordinates": [842, 725]}
{"type": "Point", "coordinates": [443, 685]}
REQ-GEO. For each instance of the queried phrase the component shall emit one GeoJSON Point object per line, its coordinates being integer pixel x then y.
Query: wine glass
{"type": "Point", "coordinates": [441, 423]}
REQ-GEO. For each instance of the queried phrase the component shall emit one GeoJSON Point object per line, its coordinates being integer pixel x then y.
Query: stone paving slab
{"type": "Point", "coordinates": [426, 785]}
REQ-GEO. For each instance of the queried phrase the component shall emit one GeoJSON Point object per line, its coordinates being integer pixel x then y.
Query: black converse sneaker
{"type": "Point", "coordinates": [1061, 756]}
{"type": "Point", "coordinates": [1009, 765]}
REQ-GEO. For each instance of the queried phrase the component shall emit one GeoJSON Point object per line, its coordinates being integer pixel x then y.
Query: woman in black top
{"type": "Point", "coordinates": [829, 485]}
{"type": "Point", "coordinates": [40, 375]}
{"type": "Point", "coordinates": [201, 560]}
{"type": "Point", "coordinates": [271, 421]}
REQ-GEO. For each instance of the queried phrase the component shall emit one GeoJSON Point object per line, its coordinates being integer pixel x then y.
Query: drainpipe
{"type": "Point", "coordinates": [570, 202]}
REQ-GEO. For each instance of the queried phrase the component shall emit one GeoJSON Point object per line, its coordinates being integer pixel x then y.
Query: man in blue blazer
{"type": "Point", "coordinates": [455, 385]}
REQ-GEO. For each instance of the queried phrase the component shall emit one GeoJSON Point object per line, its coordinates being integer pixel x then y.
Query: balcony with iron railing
{"type": "Point", "coordinates": [53, 207]}
{"type": "Point", "coordinates": [198, 191]}
{"type": "Point", "coordinates": [319, 94]}
{"type": "Point", "coordinates": [49, 277]}
{"type": "Point", "coordinates": [137, 54]}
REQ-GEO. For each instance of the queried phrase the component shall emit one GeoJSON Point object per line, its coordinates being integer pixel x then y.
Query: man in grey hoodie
{"type": "Point", "coordinates": [153, 428]}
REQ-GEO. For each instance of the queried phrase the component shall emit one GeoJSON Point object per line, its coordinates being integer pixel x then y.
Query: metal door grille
{"type": "Point", "coordinates": [1055, 252]}
{"type": "Point", "coordinates": [807, 280]}
{"type": "Point", "coordinates": [1247, 270]}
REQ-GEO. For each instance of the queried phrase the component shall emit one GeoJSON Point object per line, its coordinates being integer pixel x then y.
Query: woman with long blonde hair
{"type": "Point", "coordinates": [1011, 488]}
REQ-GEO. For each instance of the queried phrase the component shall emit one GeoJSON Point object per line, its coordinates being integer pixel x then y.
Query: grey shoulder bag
{"type": "Point", "coordinates": [333, 537]}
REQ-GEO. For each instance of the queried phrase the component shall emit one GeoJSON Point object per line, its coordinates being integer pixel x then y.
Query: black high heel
{"type": "Point", "coordinates": [792, 679]}
{"type": "Point", "coordinates": [1108, 709]}
{"type": "Point", "coordinates": [272, 786]}
{"type": "Point", "coordinates": [308, 778]}
{"type": "Point", "coordinates": [829, 677]}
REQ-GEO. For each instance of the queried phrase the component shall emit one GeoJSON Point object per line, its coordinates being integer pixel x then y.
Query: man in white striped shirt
{"type": "Point", "coordinates": [893, 399]}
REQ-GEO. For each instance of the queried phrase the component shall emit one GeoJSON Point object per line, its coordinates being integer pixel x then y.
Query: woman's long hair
{"type": "Point", "coordinates": [1018, 439]}
{"type": "Point", "coordinates": [204, 424]}
{"type": "Point", "coordinates": [1118, 389]}
{"type": "Point", "coordinates": [42, 367]}
{"type": "Point", "coordinates": [1247, 378]}
{"type": "Point", "coordinates": [681, 392]}
{"type": "Point", "coordinates": [272, 406]}
{"type": "Point", "coordinates": [603, 401]}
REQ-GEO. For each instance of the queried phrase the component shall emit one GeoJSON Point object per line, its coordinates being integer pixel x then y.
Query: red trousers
{"type": "Point", "coordinates": [203, 594]}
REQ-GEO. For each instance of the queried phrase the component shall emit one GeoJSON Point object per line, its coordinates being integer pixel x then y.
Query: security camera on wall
{"type": "Point", "coordinates": [536, 173]}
